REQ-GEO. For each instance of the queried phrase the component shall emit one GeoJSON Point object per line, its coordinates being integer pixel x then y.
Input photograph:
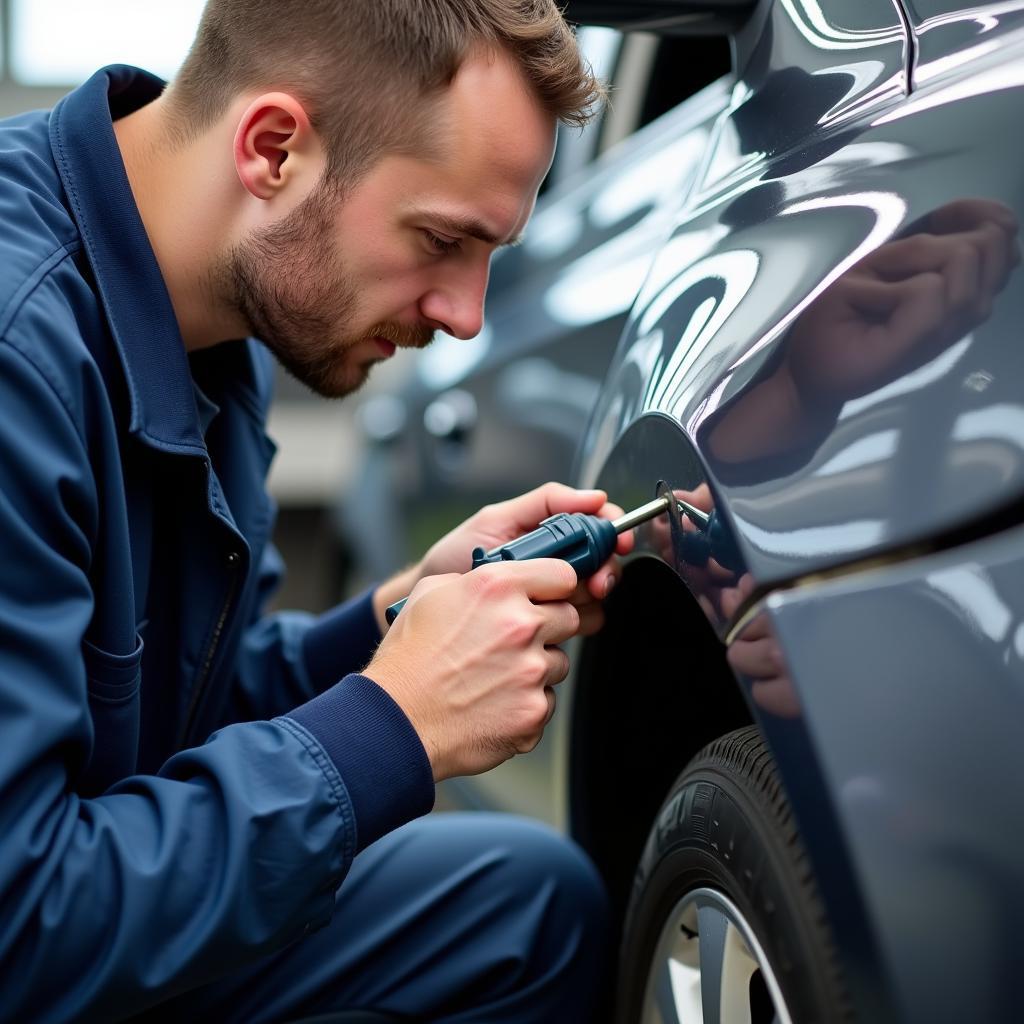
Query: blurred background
{"type": "Point", "coordinates": [365, 484]}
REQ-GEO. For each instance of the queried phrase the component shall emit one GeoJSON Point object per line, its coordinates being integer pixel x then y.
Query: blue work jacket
{"type": "Point", "coordinates": [183, 781]}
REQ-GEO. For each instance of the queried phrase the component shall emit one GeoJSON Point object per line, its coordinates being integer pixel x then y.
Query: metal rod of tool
{"type": "Point", "coordinates": [698, 516]}
{"type": "Point", "coordinates": [642, 514]}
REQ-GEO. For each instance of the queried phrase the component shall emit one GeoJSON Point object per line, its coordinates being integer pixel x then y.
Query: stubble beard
{"type": "Point", "coordinates": [290, 286]}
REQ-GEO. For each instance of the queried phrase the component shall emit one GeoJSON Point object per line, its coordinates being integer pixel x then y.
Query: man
{"type": "Point", "coordinates": [184, 784]}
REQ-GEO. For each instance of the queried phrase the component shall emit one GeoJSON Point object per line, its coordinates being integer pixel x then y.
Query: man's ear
{"type": "Point", "coordinates": [275, 144]}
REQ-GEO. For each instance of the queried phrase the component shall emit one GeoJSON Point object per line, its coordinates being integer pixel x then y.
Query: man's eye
{"type": "Point", "coordinates": [442, 245]}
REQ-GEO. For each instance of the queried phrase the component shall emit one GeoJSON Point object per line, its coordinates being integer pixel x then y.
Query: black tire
{"type": "Point", "coordinates": [723, 841]}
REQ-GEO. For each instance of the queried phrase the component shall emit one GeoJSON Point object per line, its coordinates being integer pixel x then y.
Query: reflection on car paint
{"type": "Point", "coordinates": [804, 489]}
{"type": "Point", "coordinates": [946, 41]}
{"type": "Point", "coordinates": [780, 101]}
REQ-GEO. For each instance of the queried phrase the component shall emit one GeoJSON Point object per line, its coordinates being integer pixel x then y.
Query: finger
{"type": "Point", "coordinates": [540, 579]}
{"type": "Point", "coordinates": [964, 272]}
{"type": "Point", "coordinates": [965, 214]}
{"type": "Point", "coordinates": [558, 667]}
{"type": "Point", "coordinates": [919, 314]}
{"type": "Point", "coordinates": [528, 741]}
{"type": "Point", "coordinates": [906, 257]}
{"type": "Point", "coordinates": [560, 621]}
{"type": "Point", "coordinates": [776, 696]}
{"type": "Point", "coordinates": [730, 600]}
{"type": "Point", "coordinates": [758, 628]}
{"type": "Point", "coordinates": [529, 509]}
{"type": "Point", "coordinates": [591, 619]}
{"type": "Point", "coordinates": [757, 659]}
{"type": "Point", "coordinates": [700, 497]}
{"type": "Point", "coordinates": [549, 693]}
{"type": "Point", "coordinates": [718, 574]}
{"type": "Point", "coordinates": [873, 295]}
{"type": "Point", "coordinates": [995, 251]}
{"type": "Point", "coordinates": [601, 584]}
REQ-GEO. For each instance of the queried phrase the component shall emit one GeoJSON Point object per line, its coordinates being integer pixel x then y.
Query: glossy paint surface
{"type": "Point", "coordinates": [912, 690]}
{"type": "Point", "coordinates": [950, 34]}
{"type": "Point", "coordinates": [834, 331]}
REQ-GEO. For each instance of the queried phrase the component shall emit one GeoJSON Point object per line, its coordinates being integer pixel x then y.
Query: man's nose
{"type": "Point", "coordinates": [457, 306]}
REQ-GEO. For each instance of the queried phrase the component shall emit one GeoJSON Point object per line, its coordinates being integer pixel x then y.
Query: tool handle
{"type": "Point", "coordinates": [392, 610]}
{"type": "Point", "coordinates": [724, 548]}
{"type": "Point", "coordinates": [585, 542]}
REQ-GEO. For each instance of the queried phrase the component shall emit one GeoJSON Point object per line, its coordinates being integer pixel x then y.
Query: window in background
{"type": "Point", "coordinates": [62, 42]}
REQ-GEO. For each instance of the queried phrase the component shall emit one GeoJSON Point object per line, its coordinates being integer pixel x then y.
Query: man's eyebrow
{"type": "Point", "coordinates": [469, 227]}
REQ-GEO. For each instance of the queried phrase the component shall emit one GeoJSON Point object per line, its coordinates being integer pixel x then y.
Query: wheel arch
{"type": "Point", "coordinates": [652, 688]}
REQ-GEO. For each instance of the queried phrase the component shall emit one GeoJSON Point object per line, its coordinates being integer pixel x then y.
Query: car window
{"type": "Point", "coordinates": [576, 147]}
{"type": "Point", "coordinates": [647, 76]}
{"type": "Point", "coordinates": [655, 74]}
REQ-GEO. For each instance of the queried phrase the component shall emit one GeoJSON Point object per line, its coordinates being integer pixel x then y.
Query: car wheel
{"type": "Point", "coordinates": [724, 924]}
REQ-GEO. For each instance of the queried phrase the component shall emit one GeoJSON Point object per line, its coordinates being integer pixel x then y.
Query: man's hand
{"type": "Point", "coordinates": [472, 660]}
{"type": "Point", "coordinates": [903, 304]}
{"type": "Point", "coordinates": [500, 523]}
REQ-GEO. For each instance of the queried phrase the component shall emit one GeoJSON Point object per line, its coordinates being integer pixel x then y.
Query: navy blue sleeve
{"type": "Point", "coordinates": [341, 641]}
{"type": "Point", "coordinates": [376, 751]}
{"type": "Point", "coordinates": [231, 850]}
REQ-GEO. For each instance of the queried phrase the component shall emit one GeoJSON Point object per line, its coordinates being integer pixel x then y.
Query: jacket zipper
{"type": "Point", "coordinates": [198, 691]}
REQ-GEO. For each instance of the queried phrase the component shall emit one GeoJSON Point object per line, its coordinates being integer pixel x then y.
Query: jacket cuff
{"type": "Point", "coordinates": [340, 641]}
{"type": "Point", "coordinates": [377, 752]}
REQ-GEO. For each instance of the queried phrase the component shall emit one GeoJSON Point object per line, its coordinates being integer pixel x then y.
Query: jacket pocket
{"type": "Point", "coordinates": [112, 677]}
{"type": "Point", "coordinates": [112, 684]}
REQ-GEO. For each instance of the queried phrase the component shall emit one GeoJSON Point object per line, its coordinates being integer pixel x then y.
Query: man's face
{"type": "Point", "coordinates": [337, 285]}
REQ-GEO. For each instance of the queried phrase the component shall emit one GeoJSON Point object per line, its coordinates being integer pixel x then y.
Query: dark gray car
{"type": "Point", "coordinates": [794, 751]}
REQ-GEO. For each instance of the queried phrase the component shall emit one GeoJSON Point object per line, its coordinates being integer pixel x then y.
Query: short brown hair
{"type": "Point", "coordinates": [364, 68]}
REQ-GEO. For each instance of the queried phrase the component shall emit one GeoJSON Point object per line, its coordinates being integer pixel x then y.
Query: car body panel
{"type": "Point", "coordinates": [935, 444]}
{"type": "Point", "coordinates": [917, 745]}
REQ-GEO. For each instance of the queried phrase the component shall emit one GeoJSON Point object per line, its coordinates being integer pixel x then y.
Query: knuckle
{"type": "Point", "coordinates": [527, 743]}
{"type": "Point", "coordinates": [535, 670]}
{"type": "Point", "coordinates": [539, 713]}
{"type": "Point", "coordinates": [520, 632]}
{"type": "Point", "coordinates": [488, 583]}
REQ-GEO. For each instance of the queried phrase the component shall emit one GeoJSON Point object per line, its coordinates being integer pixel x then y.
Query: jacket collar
{"type": "Point", "coordinates": [128, 278]}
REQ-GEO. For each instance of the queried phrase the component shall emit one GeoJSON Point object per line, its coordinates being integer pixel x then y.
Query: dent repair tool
{"type": "Point", "coordinates": [585, 542]}
{"type": "Point", "coordinates": [712, 539]}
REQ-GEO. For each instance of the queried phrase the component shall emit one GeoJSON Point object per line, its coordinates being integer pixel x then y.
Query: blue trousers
{"type": "Point", "coordinates": [482, 918]}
